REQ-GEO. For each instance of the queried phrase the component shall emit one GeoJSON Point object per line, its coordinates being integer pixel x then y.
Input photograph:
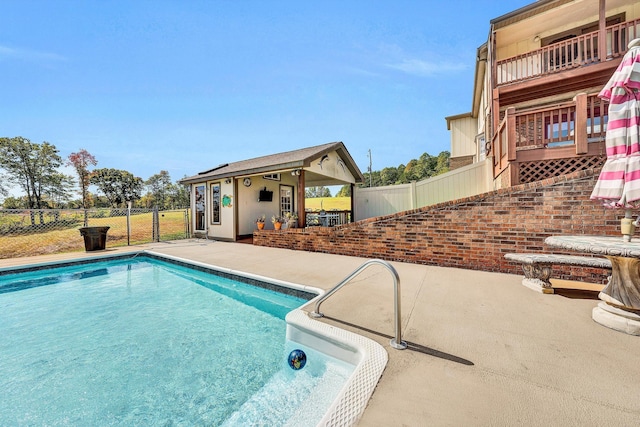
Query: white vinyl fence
{"type": "Point", "coordinates": [463, 182]}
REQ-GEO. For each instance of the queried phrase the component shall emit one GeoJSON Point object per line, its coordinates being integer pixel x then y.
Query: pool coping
{"type": "Point", "coordinates": [66, 263]}
{"type": "Point", "coordinates": [372, 358]}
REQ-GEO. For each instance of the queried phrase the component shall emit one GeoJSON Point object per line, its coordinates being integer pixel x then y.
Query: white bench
{"type": "Point", "coordinates": [537, 267]}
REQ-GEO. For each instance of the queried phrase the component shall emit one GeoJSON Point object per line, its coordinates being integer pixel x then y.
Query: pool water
{"type": "Point", "coordinates": [144, 342]}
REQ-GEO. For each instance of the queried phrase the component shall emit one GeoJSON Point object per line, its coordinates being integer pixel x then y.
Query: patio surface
{"type": "Point", "coordinates": [483, 349]}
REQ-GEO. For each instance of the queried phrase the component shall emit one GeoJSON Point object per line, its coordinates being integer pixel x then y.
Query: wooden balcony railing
{"type": "Point", "coordinates": [540, 131]}
{"type": "Point", "coordinates": [567, 54]}
{"type": "Point", "coordinates": [327, 218]}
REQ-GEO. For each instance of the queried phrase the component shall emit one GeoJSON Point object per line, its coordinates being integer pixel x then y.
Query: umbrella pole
{"type": "Point", "coordinates": [627, 226]}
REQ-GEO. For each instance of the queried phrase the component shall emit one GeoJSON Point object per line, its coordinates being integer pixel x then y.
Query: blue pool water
{"type": "Point", "coordinates": [144, 342]}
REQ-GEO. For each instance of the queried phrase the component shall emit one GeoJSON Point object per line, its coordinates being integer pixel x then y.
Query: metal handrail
{"type": "Point", "coordinates": [396, 342]}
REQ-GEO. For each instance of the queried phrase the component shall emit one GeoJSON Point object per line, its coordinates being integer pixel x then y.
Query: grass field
{"type": "Point", "coordinates": [172, 226]}
{"type": "Point", "coordinates": [328, 203]}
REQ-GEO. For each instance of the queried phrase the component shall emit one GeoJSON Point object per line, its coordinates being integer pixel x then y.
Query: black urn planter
{"type": "Point", "coordinates": [95, 238]}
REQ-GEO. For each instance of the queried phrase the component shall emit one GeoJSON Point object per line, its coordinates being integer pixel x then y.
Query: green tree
{"type": "Point", "coordinates": [81, 162]}
{"type": "Point", "coordinates": [58, 190]}
{"type": "Point", "coordinates": [419, 169]}
{"type": "Point", "coordinates": [30, 166]}
{"type": "Point", "coordinates": [118, 186]}
{"type": "Point", "coordinates": [442, 163]}
{"type": "Point", "coordinates": [321, 191]}
{"type": "Point", "coordinates": [411, 172]}
{"type": "Point", "coordinates": [158, 188]}
{"type": "Point", "coordinates": [345, 191]}
{"type": "Point", "coordinates": [15, 202]}
{"type": "Point", "coordinates": [4, 191]}
{"type": "Point", "coordinates": [178, 196]}
{"type": "Point", "coordinates": [389, 176]}
{"type": "Point", "coordinates": [375, 180]}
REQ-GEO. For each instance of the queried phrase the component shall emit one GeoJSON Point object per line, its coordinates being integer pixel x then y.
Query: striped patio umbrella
{"type": "Point", "coordinates": [619, 183]}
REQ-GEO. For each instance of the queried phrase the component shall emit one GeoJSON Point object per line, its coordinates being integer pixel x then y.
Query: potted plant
{"type": "Point", "coordinates": [95, 238]}
{"type": "Point", "coordinates": [260, 222]}
{"type": "Point", "coordinates": [277, 222]}
{"type": "Point", "coordinates": [291, 219]}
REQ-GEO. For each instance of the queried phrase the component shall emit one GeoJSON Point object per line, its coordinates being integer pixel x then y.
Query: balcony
{"type": "Point", "coordinates": [535, 144]}
{"type": "Point", "coordinates": [566, 55]}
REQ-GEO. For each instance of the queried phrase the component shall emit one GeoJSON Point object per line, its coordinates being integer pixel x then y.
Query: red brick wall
{"type": "Point", "coordinates": [472, 233]}
{"type": "Point", "coordinates": [458, 162]}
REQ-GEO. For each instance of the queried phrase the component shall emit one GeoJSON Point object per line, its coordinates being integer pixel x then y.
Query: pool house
{"type": "Point", "coordinates": [226, 200]}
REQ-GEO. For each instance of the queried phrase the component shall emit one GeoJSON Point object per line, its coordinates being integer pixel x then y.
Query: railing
{"type": "Point", "coordinates": [499, 147]}
{"type": "Point", "coordinates": [556, 126]}
{"type": "Point", "coordinates": [567, 54]}
{"type": "Point", "coordinates": [328, 218]}
{"type": "Point", "coordinates": [619, 36]}
{"type": "Point", "coordinates": [575, 123]}
{"type": "Point", "coordinates": [396, 342]}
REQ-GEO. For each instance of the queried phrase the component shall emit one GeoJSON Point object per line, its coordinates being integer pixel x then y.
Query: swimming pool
{"type": "Point", "coordinates": [140, 342]}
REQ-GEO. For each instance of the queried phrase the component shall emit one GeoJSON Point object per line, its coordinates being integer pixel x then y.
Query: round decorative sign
{"type": "Point", "coordinates": [247, 182]}
{"type": "Point", "coordinates": [297, 359]}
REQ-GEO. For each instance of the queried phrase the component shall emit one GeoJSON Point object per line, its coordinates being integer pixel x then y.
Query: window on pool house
{"type": "Point", "coordinates": [215, 203]}
{"type": "Point", "coordinates": [286, 199]}
{"type": "Point", "coordinates": [199, 207]}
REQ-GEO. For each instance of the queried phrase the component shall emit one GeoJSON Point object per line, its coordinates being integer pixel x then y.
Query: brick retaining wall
{"type": "Point", "coordinates": [471, 233]}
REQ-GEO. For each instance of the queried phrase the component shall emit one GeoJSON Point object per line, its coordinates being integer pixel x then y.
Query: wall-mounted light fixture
{"type": "Point", "coordinates": [536, 39]}
{"type": "Point", "coordinates": [227, 181]}
{"type": "Point", "coordinates": [295, 172]}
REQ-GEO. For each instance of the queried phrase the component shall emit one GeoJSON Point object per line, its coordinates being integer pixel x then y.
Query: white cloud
{"type": "Point", "coordinates": [29, 55]}
{"type": "Point", "coordinates": [422, 68]}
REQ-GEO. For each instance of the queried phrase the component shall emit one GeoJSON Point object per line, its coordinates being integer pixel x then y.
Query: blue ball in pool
{"type": "Point", "coordinates": [297, 359]}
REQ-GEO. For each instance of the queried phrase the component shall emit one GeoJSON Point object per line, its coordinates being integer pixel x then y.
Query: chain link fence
{"type": "Point", "coordinates": [28, 232]}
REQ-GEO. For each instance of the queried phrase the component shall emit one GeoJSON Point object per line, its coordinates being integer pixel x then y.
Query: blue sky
{"type": "Point", "coordinates": [186, 85]}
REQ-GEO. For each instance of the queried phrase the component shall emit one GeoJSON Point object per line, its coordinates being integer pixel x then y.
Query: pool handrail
{"type": "Point", "coordinates": [396, 342]}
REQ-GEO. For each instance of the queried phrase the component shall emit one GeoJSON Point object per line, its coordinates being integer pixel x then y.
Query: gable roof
{"type": "Point", "coordinates": [276, 162]}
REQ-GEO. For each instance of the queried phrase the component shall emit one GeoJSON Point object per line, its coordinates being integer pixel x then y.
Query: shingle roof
{"type": "Point", "coordinates": [275, 162]}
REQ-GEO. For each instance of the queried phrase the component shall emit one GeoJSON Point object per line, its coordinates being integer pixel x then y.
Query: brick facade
{"type": "Point", "coordinates": [458, 162]}
{"type": "Point", "coordinates": [472, 233]}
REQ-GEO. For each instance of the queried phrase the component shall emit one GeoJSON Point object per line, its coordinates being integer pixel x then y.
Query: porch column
{"type": "Point", "coordinates": [495, 113]}
{"type": "Point", "coordinates": [602, 31]}
{"type": "Point", "coordinates": [511, 134]}
{"type": "Point", "coordinates": [302, 220]}
{"type": "Point", "coordinates": [580, 124]}
{"type": "Point", "coordinates": [353, 203]}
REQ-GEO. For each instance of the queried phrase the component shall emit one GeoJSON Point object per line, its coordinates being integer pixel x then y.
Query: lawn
{"type": "Point", "coordinates": [53, 239]}
{"type": "Point", "coordinates": [328, 203]}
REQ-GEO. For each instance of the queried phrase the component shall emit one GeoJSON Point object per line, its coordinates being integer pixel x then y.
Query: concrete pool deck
{"type": "Point", "coordinates": [483, 349]}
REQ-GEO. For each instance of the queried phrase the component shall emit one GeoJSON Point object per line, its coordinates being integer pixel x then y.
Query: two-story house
{"type": "Point", "coordinates": [535, 111]}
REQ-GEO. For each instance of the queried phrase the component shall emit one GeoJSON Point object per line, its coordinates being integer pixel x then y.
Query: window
{"type": "Point", "coordinates": [200, 207]}
{"type": "Point", "coordinates": [272, 176]}
{"type": "Point", "coordinates": [481, 147]}
{"type": "Point", "coordinates": [215, 203]}
{"type": "Point", "coordinates": [286, 199]}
